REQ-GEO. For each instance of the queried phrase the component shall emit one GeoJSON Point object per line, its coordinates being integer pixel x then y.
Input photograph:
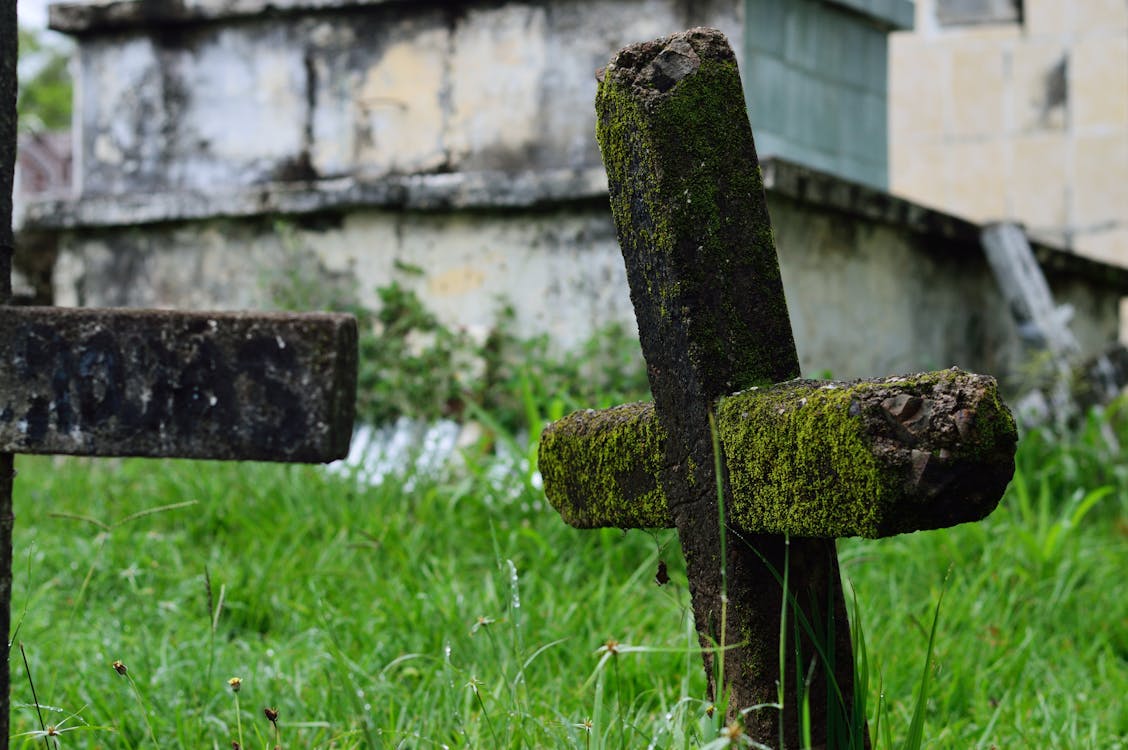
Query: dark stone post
{"type": "Point", "coordinates": [688, 201]}
{"type": "Point", "coordinates": [9, 41]}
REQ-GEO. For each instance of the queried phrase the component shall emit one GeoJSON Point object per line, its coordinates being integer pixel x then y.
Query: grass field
{"type": "Point", "coordinates": [461, 612]}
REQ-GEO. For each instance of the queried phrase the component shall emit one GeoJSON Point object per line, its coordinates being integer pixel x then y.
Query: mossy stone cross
{"type": "Point", "coordinates": [802, 462]}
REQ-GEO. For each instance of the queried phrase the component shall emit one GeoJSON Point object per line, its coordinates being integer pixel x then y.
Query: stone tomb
{"type": "Point", "coordinates": [796, 462]}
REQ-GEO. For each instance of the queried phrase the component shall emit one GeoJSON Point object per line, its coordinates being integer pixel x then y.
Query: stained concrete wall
{"type": "Point", "coordinates": [222, 146]}
{"type": "Point", "coordinates": [362, 89]}
{"type": "Point", "coordinates": [1023, 116]}
{"type": "Point", "coordinates": [875, 285]}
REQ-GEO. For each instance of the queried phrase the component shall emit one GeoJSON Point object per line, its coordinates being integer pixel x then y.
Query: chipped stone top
{"type": "Point", "coordinates": [652, 68]}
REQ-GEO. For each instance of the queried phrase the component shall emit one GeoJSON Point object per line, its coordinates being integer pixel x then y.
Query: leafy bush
{"type": "Point", "coordinates": [45, 93]}
{"type": "Point", "coordinates": [413, 365]}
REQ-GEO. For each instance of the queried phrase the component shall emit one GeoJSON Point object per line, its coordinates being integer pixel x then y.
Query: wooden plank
{"type": "Point", "coordinates": [159, 383]}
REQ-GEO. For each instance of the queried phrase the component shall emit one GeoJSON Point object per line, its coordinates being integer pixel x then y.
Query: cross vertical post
{"type": "Point", "coordinates": [688, 200]}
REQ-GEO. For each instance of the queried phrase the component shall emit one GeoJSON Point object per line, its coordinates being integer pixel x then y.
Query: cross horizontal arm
{"type": "Point", "coordinates": [869, 458]}
{"type": "Point", "coordinates": [161, 383]}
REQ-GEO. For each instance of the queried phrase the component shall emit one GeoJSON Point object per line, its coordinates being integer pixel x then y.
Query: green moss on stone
{"type": "Point", "coordinates": [686, 191]}
{"type": "Point", "coordinates": [600, 468]}
{"type": "Point", "coordinates": [792, 448]}
{"type": "Point", "coordinates": [813, 458]}
{"type": "Point", "coordinates": [808, 458]}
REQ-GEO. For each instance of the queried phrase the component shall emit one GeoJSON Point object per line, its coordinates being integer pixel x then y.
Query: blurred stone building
{"type": "Point", "coordinates": [1017, 110]}
{"type": "Point", "coordinates": [223, 144]}
{"type": "Point", "coordinates": [43, 173]}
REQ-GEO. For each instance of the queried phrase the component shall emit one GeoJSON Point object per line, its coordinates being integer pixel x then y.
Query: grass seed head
{"type": "Point", "coordinates": [481, 622]}
{"type": "Point", "coordinates": [733, 732]}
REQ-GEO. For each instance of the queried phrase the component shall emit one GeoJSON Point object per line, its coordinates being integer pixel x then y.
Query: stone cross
{"type": "Point", "coordinates": [231, 386]}
{"type": "Point", "coordinates": [802, 462]}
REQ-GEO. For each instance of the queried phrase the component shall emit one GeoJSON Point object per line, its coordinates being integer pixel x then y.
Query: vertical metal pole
{"type": "Point", "coordinates": [9, 41]}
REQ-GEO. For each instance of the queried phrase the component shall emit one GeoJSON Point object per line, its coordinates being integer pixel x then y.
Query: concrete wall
{"type": "Point", "coordinates": [222, 147]}
{"type": "Point", "coordinates": [560, 268]}
{"type": "Point", "coordinates": [816, 79]}
{"type": "Point", "coordinates": [869, 298]}
{"type": "Point", "coordinates": [875, 285]}
{"type": "Point", "coordinates": [366, 89]}
{"type": "Point", "coordinates": [1025, 118]}
{"type": "Point", "coordinates": [361, 89]}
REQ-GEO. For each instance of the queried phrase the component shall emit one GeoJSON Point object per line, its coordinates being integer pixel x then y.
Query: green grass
{"type": "Point", "coordinates": [452, 613]}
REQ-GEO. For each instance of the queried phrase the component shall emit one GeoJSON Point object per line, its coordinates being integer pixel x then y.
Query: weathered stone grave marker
{"type": "Point", "coordinates": [231, 386]}
{"type": "Point", "coordinates": [803, 462]}
{"type": "Point", "coordinates": [162, 383]}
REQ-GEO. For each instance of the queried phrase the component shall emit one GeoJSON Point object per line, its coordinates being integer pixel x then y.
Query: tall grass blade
{"type": "Point", "coordinates": [861, 679]}
{"type": "Point", "coordinates": [719, 478]}
{"type": "Point", "coordinates": [916, 725]}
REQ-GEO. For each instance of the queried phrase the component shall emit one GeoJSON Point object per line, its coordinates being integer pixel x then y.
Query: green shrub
{"type": "Point", "coordinates": [414, 365]}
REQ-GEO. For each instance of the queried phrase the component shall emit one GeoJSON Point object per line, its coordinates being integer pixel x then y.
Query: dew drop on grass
{"type": "Point", "coordinates": [516, 603]}
{"type": "Point", "coordinates": [450, 667]}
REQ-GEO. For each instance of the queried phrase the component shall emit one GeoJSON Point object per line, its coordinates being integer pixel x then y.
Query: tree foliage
{"type": "Point", "coordinates": [45, 86]}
